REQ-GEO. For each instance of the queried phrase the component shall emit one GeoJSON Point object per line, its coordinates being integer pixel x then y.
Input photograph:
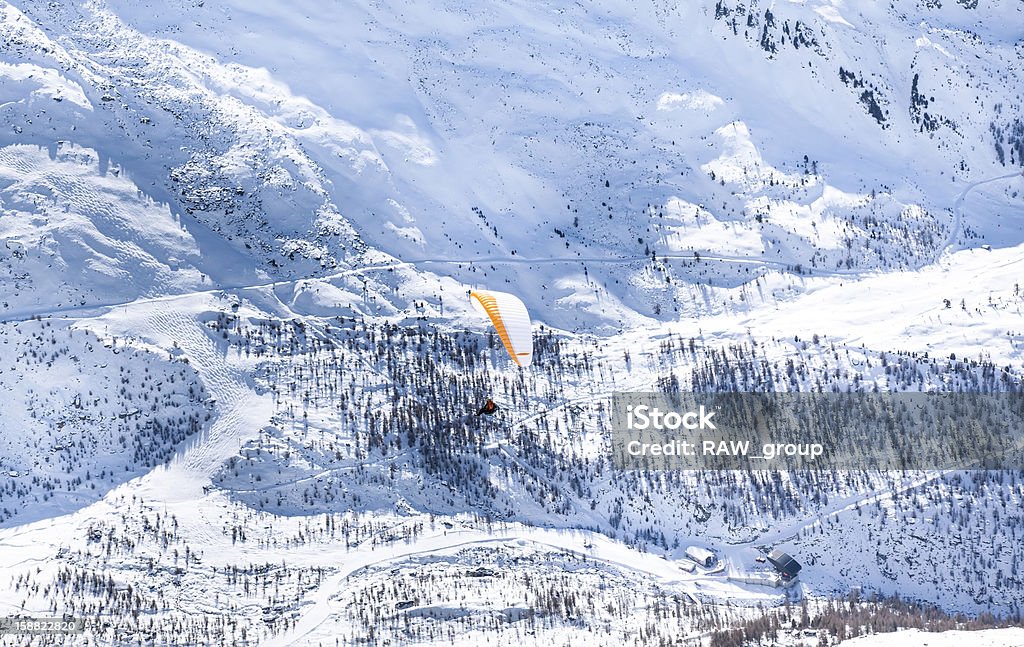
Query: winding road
{"type": "Point", "coordinates": [958, 215]}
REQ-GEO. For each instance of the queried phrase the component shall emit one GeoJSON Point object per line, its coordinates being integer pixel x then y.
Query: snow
{"type": "Point", "coordinates": [914, 638]}
{"type": "Point", "coordinates": [50, 83]}
{"type": "Point", "coordinates": [697, 100]}
{"type": "Point", "coordinates": [830, 12]}
{"type": "Point", "coordinates": [255, 225]}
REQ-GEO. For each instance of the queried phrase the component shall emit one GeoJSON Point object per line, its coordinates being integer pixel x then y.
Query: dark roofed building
{"type": "Point", "coordinates": [784, 564]}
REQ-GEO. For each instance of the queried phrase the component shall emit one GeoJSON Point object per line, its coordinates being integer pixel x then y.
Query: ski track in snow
{"type": "Point", "coordinates": [240, 412]}
{"type": "Point", "coordinates": [958, 213]}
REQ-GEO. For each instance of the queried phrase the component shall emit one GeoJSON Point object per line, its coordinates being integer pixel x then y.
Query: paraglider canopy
{"type": "Point", "coordinates": [511, 321]}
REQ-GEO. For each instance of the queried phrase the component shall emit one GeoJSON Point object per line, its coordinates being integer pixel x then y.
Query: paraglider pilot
{"type": "Point", "coordinates": [489, 408]}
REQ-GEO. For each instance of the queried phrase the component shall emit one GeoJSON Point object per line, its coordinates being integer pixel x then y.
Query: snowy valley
{"type": "Point", "coordinates": [242, 369]}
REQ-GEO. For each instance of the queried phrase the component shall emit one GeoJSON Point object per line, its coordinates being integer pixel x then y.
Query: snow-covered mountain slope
{"type": "Point", "coordinates": [360, 482]}
{"type": "Point", "coordinates": [71, 212]}
{"type": "Point", "coordinates": [83, 415]}
{"type": "Point", "coordinates": [240, 364]}
{"type": "Point", "coordinates": [805, 137]}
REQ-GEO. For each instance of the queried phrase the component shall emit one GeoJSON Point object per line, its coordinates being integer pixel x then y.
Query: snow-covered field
{"type": "Point", "coordinates": [913, 638]}
{"type": "Point", "coordinates": [240, 365]}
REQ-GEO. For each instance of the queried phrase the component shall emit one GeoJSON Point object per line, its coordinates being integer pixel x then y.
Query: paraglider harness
{"type": "Point", "coordinates": [489, 408]}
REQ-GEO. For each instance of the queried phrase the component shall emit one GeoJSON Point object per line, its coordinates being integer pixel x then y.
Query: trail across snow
{"type": "Point", "coordinates": [958, 213]}
{"type": "Point", "coordinates": [240, 411]}
{"type": "Point", "coordinates": [93, 309]}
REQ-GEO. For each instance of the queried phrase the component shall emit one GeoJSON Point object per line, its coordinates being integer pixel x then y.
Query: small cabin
{"type": "Point", "coordinates": [702, 556]}
{"type": "Point", "coordinates": [784, 564]}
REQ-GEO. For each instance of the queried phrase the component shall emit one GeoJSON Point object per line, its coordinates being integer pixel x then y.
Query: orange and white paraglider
{"type": "Point", "coordinates": [511, 321]}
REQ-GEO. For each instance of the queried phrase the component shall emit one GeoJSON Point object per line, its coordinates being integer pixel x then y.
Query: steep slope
{"type": "Point", "coordinates": [637, 150]}
{"type": "Point", "coordinates": [84, 415]}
